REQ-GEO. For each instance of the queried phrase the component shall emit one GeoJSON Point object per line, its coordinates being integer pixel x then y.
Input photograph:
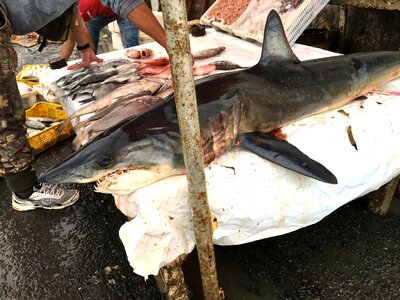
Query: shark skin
{"type": "Point", "coordinates": [238, 108]}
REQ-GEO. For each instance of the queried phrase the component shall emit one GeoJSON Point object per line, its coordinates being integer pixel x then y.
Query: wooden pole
{"type": "Point", "coordinates": [175, 22]}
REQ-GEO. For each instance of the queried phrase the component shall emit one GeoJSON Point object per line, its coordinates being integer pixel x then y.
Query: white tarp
{"type": "Point", "coordinates": [251, 198]}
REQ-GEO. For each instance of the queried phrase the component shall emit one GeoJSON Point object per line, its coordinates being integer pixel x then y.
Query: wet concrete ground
{"type": "Point", "coordinates": [75, 253]}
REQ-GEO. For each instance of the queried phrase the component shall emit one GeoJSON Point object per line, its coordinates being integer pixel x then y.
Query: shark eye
{"type": "Point", "coordinates": [104, 161]}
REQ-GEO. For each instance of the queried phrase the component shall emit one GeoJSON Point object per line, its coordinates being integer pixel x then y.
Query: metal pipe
{"type": "Point", "coordinates": [176, 28]}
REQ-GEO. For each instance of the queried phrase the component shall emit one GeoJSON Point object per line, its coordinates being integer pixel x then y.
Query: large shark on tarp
{"type": "Point", "coordinates": [239, 108]}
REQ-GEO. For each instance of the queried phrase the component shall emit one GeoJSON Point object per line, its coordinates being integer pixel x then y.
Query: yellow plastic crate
{"type": "Point", "coordinates": [49, 136]}
{"type": "Point", "coordinates": [31, 81]}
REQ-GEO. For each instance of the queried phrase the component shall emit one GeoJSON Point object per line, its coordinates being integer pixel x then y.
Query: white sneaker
{"type": "Point", "coordinates": [48, 197]}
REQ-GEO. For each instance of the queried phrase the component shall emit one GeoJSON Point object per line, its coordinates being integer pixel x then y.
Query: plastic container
{"type": "Point", "coordinates": [33, 71]}
{"type": "Point", "coordinates": [300, 18]}
{"type": "Point", "coordinates": [223, 21]}
{"type": "Point", "coordinates": [49, 136]}
{"type": "Point", "coordinates": [28, 94]}
{"type": "Point", "coordinates": [296, 15]}
{"type": "Point", "coordinates": [29, 99]}
{"type": "Point", "coordinates": [251, 23]}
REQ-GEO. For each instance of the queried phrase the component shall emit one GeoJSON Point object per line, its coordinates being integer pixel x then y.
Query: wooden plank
{"type": "Point", "coordinates": [342, 27]}
{"type": "Point", "coordinates": [171, 281]}
{"type": "Point", "coordinates": [198, 8]}
{"type": "Point", "coordinates": [188, 8]}
{"type": "Point", "coordinates": [376, 4]}
{"type": "Point", "coordinates": [379, 201]}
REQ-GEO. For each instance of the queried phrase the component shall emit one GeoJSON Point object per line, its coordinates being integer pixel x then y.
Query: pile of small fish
{"type": "Point", "coordinates": [31, 72]}
{"type": "Point", "coordinates": [118, 89]}
{"type": "Point", "coordinates": [88, 84]}
{"type": "Point", "coordinates": [113, 107]}
{"type": "Point", "coordinates": [121, 109]}
{"type": "Point", "coordinates": [35, 125]}
{"type": "Point", "coordinates": [125, 102]}
{"type": "Point", "coordinates": [92, 83]}
{"type": "Point", "coordinates": [228, 11]}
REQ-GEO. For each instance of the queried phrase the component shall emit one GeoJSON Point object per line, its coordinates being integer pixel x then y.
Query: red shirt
{"type": "Point", "coordinates": [93, 8]}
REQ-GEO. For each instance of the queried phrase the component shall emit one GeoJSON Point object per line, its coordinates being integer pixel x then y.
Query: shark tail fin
{"type": "Point", "coordinates": [275, 47]}
{"type": "Point", "coordinates": [284, 154]}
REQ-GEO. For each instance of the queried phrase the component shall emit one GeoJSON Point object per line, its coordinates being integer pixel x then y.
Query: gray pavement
{"type": "Point", "coordinates": [75, 253]}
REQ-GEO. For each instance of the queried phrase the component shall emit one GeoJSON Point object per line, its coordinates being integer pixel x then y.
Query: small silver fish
{"type": "Point", "coordinates": [104, 89]}
{"type": "Point", "coordinates": [125, 77]}
{"type": "Point", "coordinates": [42, 119]}
{"type": "Point", "coordinates": [93, 78]}
{"type": "Point", "coordinates": [35, 124]}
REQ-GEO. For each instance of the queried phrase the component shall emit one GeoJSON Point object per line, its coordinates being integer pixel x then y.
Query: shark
{"type": "Point", "coordinates": [240, 108]}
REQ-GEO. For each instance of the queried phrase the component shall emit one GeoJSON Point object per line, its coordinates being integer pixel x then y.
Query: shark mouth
{"type": "Point", "coordinates": [126, 180]}
{"type": "Point", "coordinates": [119, 181]}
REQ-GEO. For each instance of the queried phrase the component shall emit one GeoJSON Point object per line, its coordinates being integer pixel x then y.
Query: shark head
{"type": "Point", "coordinates": [153, 154]}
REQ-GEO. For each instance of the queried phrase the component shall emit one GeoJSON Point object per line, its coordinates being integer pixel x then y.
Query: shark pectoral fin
{"type": "Point", "coordinates": [284, 154]}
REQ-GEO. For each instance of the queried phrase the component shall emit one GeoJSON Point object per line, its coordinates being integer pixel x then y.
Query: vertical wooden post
{"type": "Point", "coordinates": [379, 200]}
{"type": "Point", "coordinates": [171, 282]}
{"type": "Point", "coordinates": [177, 34]}
{"type": "Point", "coordinates": [198, 9]}
{"type": "Point", "coordinates": [342, 27]}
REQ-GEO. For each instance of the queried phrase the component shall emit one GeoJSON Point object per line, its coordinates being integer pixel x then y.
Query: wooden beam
{"type": "Point", "coordinates": [376, 4]}
{"type": "Point", "coordinates": [188, 8]}
{"type": "Point", "coordinates": [198, 8]}
{"type": "Point", "coordinates": [342, 28]}
{"type": "Point", "coordinates": [379, 201]}
{"type": "Point", "coordinates": [171, 281]}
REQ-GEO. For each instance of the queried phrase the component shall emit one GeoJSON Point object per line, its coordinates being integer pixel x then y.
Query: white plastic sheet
{"type": "Point", "coordinates": [254, 199]}
{"type": "Point", "coordinates": [251, 198]}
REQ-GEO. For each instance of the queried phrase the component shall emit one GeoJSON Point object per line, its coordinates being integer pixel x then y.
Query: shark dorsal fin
{"type": "Point", "coordinates": [275, 47]}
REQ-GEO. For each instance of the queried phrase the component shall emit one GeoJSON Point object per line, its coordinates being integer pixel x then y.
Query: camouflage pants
{"type": "Point", "coordinates": [15, 154]}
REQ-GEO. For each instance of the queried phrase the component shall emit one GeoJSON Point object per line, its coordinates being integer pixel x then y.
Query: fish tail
{"type": "Point", "coordinates": [63, 125]}
{"type": "Point", "coordinates": [77, 142]}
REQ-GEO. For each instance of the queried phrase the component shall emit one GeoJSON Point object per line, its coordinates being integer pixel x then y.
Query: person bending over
{"type": "Point", "coordinates": [22, 17]}
{"type": "Point", "coordinates": [138, 13]}
{"type": "Point", "coordinates": [97, 16]}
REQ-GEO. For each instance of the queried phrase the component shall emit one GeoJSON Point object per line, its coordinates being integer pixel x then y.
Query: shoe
{"type": "Point", "coordinates": [48, 197]}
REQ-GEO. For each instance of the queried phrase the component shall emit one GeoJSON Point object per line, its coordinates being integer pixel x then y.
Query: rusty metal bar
{"type": "Point", "coordinates": [175, 22]}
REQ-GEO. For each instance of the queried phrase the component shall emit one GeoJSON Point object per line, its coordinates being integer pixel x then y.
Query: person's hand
{"type": "Point", "coordinates": [88, 56]}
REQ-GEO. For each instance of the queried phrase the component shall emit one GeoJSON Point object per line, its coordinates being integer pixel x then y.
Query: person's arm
{"type": "Point", "coordinates": [142, 17]}
{"type": "Point", "coordinates": [68, 46]}
{"type": "Point", "coordinates": [81, 35]}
